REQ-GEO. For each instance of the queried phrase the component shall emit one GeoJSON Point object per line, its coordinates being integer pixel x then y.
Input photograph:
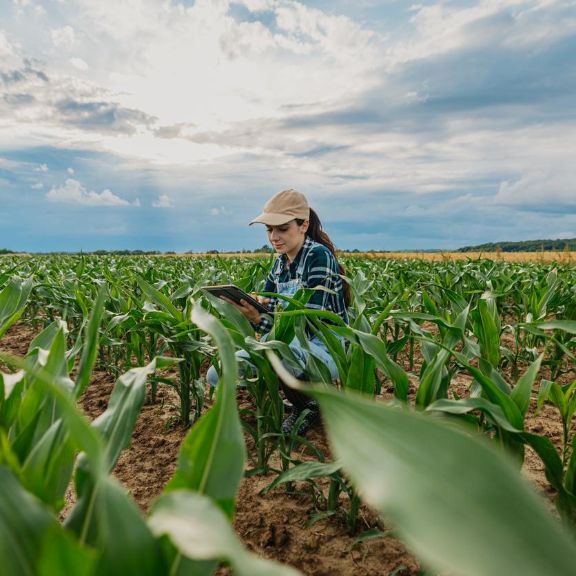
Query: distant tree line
{"type": "Point", "coordinates": [127, 252]}
{"type": "Point", "coordinates": [525, 246]}
{"type": "Point", "coordinates": [266, 249]}
{"type": "Point", "coordinates": [96, 252]}
{"type": "Point", "coordinates": [114, 252]}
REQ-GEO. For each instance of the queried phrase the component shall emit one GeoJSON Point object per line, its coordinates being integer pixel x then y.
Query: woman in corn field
{"type": "Point", "coordinates": [306, 259]}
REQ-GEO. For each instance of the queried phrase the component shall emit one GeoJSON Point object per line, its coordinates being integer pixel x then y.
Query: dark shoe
{"type": "Point", "coordinates": [311, 417]}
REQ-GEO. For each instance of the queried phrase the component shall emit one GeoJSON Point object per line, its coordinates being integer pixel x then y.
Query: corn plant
{"type": "Point", "coordinates": [183, 339]}
{"type": "Point", "coordinates": [564, 399]}
{"type": "Point", "coordinates": [188, 530]}
{"type": "Point", "coordinates": [13, 299]}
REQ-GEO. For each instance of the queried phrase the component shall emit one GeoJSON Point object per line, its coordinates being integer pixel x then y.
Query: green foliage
{"type": "Point", "coordinates": [42, 432]}
{"type": "Point", "coordinates": [524, 246]}
{"type": "Point", "coordinates": [414, 327]}
{"type": "Point", "coordinates": [13, 302]}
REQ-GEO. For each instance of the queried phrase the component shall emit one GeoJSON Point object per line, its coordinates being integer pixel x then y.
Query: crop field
{"type": "Point", "coordinates": [541, 257]}
{"type": "Point", "coordinates": [447, 444]}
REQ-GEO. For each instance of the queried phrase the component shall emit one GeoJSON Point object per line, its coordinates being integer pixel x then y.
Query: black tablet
{"type": "Point", "coordinates": [232, 292]}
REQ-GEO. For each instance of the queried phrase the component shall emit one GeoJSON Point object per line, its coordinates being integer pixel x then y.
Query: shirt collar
{"type": "Point", "coordinates": [305, 247]}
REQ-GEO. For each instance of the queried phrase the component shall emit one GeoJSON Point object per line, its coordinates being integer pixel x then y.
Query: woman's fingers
{"type": "Point", "coordinates": [249, 311]}
{"type": "Point", "coordinates": [261, 299]}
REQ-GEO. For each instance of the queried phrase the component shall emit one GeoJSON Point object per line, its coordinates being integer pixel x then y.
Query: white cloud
{"type": "Point", "coordinates": [70, 170]}
{"type": "Point", "coordinates": [444, 27]}
{"type": "Point", "coordinates": [79, 64]}
{"type": "Point", "coordinates": [5, 46]}
{"type": "Point", "coordinates": [438, 28]}
{"type": "Point", "coordinates": [37, 186]}
{"type": "Point", "coordinates": [338, 37]}
{"type": "Point", "coordinates": [6, 164]}
{"type": "Point", "coordinates": [219, 211]}
{"type": "Point", "coordinates": [257, 5]}
{"type": "Point", "coordinates": [41, 168]}
{"type": "Point", "coordinates": [164, 201]}
{"type": "Point", "coordinates": [73, 192]}
{"type": "Point", "coordinates": [564, 235]}
{"type": "Point", "coordinates": [64, 37]}
{"type": "Point", "coordinates": [540, 22]}
{"type": "Point", "coordinates": [539, 188]}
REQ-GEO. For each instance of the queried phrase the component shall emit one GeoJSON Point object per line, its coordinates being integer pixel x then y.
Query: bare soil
{"type": "Point", "coordinates": [278, 524]}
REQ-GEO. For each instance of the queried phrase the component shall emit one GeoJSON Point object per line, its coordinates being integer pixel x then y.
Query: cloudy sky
{"type": "Point", "coordinates": [166, 124]}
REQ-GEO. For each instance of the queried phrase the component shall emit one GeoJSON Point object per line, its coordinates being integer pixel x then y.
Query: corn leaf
{"type": "Point", "coordinates": [62, 554]}
{"type": "Point", "coordinates": [106, 519]}
{"type": "Point", "coordinates": [23, 523]}
{"type": "Point", "coordinates": [160, 299]}
{"type": "Point", "coordinates": [547, 452]}
{"type": "Point", "coordinates": [85, 437]}
{"type": "Point", "coordinates": [212, 455]}
{"type": "Point", "coordinates": [48, 468]}
{"type": "Point", "coordinates": [90, 348]}
{"type": "Point", "coordinates": [466, 405]}
{"type": "Point", "coordinates": [32, 542]}
{"type": "Point", "coordinates": [13, 300]}
{"type": "Point", "coordinates": [522, 392]}
{"type": "Point", "coordinates": [304, 471]}
{"type": "Point", "coordinates": [376, 348]}
{"type": "Point", "coordinates": [201, 531]}
{"type": "Point", "coordinates": [469, 514]}
{"type": "Point", "coordinates": [117, 422]}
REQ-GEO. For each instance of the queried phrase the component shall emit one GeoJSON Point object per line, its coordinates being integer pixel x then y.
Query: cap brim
{"type": "Point", "coordinates": [271, 219]}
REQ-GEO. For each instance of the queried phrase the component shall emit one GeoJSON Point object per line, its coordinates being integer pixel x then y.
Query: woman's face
{"type": "Point", "coordinates": [287, 238]}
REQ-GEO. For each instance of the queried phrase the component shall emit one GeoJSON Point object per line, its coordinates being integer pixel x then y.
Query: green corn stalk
{"type": "Point", "coordinates": [308, 472]}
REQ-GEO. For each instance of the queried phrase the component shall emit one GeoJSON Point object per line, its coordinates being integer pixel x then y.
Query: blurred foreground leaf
{"type": "Point", "coordinates": [456, 502]}
{"type": "Point", "coordinates": [200, 530]}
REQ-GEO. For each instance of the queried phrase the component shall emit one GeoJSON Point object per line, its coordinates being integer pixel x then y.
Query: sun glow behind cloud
{"type": "Point", "coordinates": [198, 65]}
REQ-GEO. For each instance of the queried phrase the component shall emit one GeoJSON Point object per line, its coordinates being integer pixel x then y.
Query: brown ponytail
{"type": "Point", "coordinates": [316, 233]}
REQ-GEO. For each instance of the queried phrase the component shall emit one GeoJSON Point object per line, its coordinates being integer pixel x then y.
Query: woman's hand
{"type": "Point", "coordinates": [247, 309]}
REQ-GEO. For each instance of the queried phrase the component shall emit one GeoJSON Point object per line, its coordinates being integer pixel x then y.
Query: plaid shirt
{"type": "Point", "coordinates": [320, 268]}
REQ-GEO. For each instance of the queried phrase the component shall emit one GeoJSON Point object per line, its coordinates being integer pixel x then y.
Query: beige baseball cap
{"type": "Point", "coordinates": [283, 207]}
